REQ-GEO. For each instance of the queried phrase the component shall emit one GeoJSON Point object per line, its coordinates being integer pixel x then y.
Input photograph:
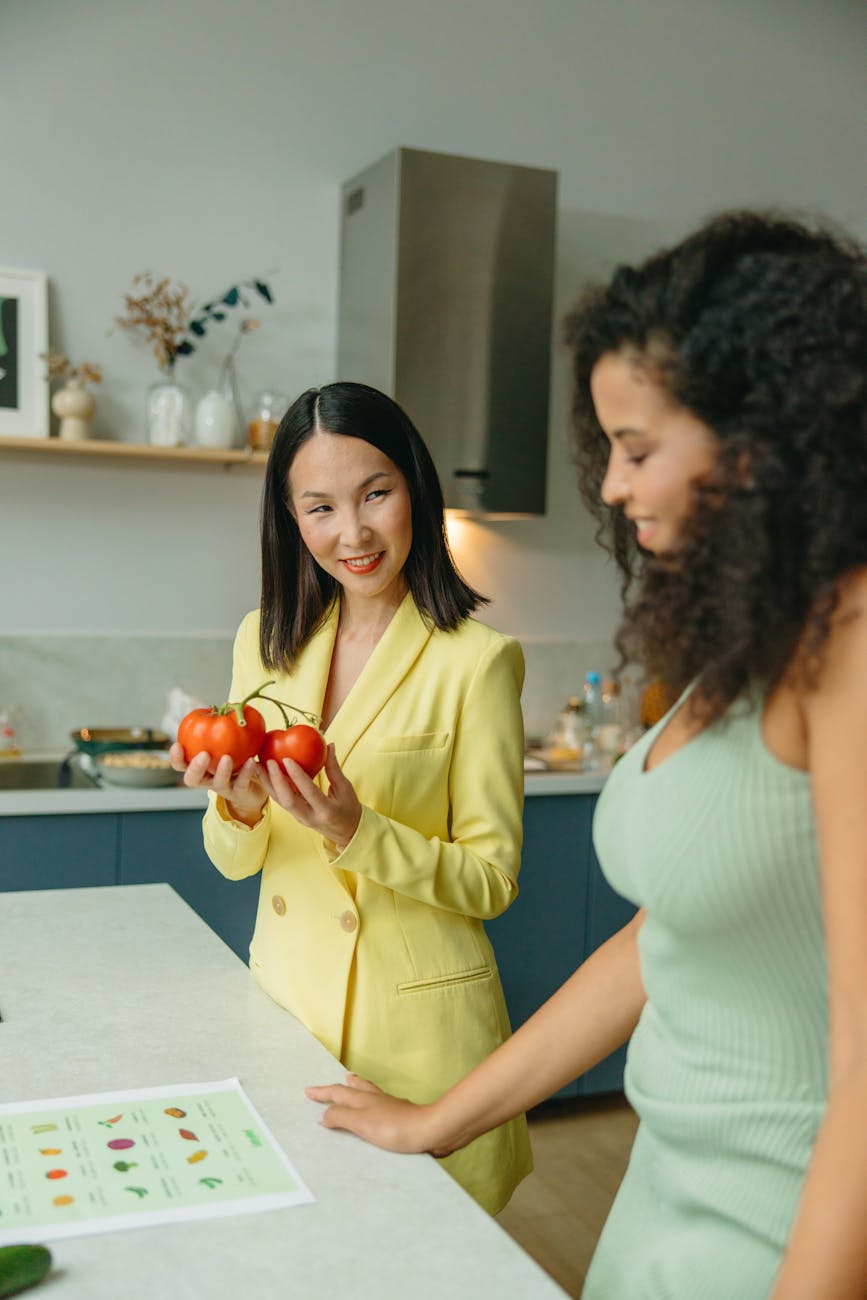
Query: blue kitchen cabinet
{"type": "Point", "coordinates": [607, 912]}
{"type": "Point", "coordinates": [63, 851]}
{"type": "Point", "coordinates": [167, 846]}
{"type": "Point", "coordinates": [563, 912]}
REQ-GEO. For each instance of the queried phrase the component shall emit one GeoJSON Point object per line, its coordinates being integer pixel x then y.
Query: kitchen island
{"type": "Point", "coordinates": [125, 987]}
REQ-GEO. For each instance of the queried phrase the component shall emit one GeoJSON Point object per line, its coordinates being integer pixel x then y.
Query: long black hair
{"type": "Point", "coordinates": [757, 323]}
{"type": "Point", "coordinates": [296, 592]}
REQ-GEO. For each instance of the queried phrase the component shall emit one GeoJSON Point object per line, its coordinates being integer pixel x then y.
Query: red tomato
{"type": "Point", "coordinates": [217, 731]}
{"type": "Point", "coordinates": [303, 743]}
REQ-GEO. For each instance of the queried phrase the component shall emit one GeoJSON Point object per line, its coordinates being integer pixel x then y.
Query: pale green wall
{"type": "Point", "coordinates": [207, 139]}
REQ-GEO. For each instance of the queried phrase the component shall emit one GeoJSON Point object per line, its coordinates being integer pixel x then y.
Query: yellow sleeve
{"type": "Point", "coordinates": [475, 871]}
{"type": "Point", "coordinates": [237, 850]}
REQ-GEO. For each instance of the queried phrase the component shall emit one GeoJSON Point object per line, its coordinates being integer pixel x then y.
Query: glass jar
{"type": "Point", "coordinates": [268, 411]}
{"type": "Point", "coordinates": [169, 413]}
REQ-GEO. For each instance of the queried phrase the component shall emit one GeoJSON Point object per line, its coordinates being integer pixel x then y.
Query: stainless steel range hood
{"type": "Point", "coordinates": [446, 292]}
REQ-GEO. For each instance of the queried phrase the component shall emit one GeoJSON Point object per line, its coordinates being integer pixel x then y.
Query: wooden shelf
{"type": "Point", "coordinates": [102, 449]}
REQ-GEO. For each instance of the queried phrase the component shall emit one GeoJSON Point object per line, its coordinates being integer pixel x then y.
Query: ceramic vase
{"type": "Point", "coordinates": [74, 406]}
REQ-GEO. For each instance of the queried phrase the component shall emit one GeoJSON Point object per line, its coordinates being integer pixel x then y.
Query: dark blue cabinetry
{"type": "Point", "coordinates": [167, 846]}
{"type": "Point", "coordinates": [563, 912]}
{"type": "Point", "coordinates": [58, 852]}
{"type": "Point", "coordinates": [79, 849]}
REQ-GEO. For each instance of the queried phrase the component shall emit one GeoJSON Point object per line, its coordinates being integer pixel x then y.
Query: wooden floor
{"type": "Point", "coordinates": [580, 1150]}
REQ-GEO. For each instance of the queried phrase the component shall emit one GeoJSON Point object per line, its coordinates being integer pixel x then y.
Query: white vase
{"type": "Point", "coordinates": [216, 422]}
{"type": "Point", "coordinates": [168, 414]}
{"type": "Point", "coordinates": [75, 408]}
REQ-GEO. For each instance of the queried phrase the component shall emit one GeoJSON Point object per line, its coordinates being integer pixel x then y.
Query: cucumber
{"type": "Point", "coordinates": [21, 1267]}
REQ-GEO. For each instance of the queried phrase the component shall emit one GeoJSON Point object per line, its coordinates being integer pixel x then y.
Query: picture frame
{"type": "Point", "coordinates": [24, 411]}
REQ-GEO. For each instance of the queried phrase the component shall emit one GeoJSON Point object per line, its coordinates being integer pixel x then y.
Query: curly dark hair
{"type": "Point", "coordinates": [757, 323]}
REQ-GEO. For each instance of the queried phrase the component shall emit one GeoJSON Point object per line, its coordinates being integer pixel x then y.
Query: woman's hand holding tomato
{"type": "Point", "coordinates": [217, 749]}
{"type": "Point", "coordinates": [334, 815]}
{"type": "Point", "coordinates": [243, 792]}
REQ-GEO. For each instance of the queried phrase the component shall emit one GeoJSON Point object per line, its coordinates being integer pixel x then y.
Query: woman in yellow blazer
{"type": "Point", "coordinates": [377, 876]}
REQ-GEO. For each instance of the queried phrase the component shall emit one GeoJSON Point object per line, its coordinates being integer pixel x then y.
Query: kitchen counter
{"type": "Point", "coordinates": [124, 987]}
{"type": "Point", "coordinates": [116, 798]}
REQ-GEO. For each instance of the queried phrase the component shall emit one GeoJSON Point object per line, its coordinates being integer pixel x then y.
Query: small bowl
{"type": "Point", "coordinates": [137, 767]}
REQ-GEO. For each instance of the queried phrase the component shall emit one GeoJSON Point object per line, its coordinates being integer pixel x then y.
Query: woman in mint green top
{"type": "Point", "coordinates": [719, 405]}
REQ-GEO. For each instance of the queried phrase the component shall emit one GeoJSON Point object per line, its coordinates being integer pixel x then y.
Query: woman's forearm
{"type": "Point", "coordinates": [827, 1252]}
{"type": "Point", "coordinates": [589, 1016]}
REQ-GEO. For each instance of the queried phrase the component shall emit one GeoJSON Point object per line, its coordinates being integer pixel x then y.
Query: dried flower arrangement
{"type": "Point", "coordinates": [59, 367]}
{"type": "Point", "coordinates": [164, 313]}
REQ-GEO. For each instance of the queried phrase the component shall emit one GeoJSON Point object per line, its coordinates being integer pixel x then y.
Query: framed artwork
{"type": "Point", "coordinates": [23, 336]}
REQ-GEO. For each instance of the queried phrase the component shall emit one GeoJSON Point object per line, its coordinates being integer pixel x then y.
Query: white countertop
{"type": "Point", "coordinates": [124, 987]}
{"type": "Point", "coordinates": [116, 798]}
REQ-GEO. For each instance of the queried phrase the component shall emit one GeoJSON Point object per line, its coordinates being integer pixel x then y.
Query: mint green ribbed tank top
{"type": "Point", "coordinates": [727, 1068]}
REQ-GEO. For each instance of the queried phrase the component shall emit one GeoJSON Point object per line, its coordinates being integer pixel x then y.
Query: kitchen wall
{"type": "Point", "coordinates": [207, 140]}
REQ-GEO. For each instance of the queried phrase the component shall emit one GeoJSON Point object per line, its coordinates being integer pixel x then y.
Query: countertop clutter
{"type": "Point", "coordinates": [149, 996]}
{"type": "Point", "coordinates": [86, 797]}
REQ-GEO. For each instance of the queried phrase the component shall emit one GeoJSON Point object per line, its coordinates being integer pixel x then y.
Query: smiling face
{"type": "Point", "coordinates": [354, 514]}
{"type": "Point", "coordinates": [659, 450]}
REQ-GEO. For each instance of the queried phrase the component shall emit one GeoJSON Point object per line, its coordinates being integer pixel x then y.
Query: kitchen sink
{"type": "Point", "coordinates": [44, 774]}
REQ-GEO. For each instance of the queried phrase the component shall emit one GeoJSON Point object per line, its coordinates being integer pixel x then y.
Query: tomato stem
{"type": "Point", "coordinates": [258, 694]}
{"type": "Point", "coordinates": [313, 718]}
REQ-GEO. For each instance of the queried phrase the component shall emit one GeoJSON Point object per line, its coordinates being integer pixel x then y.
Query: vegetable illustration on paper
{"type": "Point", "coordinates": [113, 1120]}
{"type": "Point", "coordinates": [63, 1200]}
{"type": "Point", "coordinates": [210, 1182]}
{"type": "Point", "coordinates": [175, 1112]}
{"type": "Point", "coordinates": [121, 1144]}
{"type": "Point", "coordinates": [139, 1191]}
{"type": "Point", "coordinates": [56, 1173]}
{"type": "Point", "coordinates": [43, 1128]}
{"type": "Point", "coordinates": [124, 1165]}
{"type": "Point", "coordinates": [50, 1151]}
{"type": "Point", "coordinates": [186, 1133]}
{"type": "Point", "coordinates": [196, 1157]}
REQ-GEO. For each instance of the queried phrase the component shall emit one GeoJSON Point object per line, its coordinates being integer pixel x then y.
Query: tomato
{"type": "Point", "coordinates": [219, 730]}
{"type": "Point", "coordinates": [303, 743]}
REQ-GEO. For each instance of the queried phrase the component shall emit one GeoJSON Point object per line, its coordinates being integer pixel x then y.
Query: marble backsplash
{"type": "Point", "coordinates": [52, 685]}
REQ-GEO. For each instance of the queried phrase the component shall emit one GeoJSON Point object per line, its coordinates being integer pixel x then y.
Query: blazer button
{"type": "Point", "coordinates": [348, 921]}
{"type": "Point", "coordinates": [278, 904]}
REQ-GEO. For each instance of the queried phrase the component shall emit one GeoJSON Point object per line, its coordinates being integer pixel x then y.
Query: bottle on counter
{"type": "Point", "coordinates": [592, 699]}
{"type": "Point", "coordinates": [591, 707]}
{"type": "Point", "coordinates": [610, 731]}
{"type": "Point", "coordinates": [9, 747]}
{"type": "Point", "coordinates": [565, 743]}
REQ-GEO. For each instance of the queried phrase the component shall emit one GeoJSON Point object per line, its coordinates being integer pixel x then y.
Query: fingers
{"type": "Point", "coordinates": [196, 773]}
{"type": "Point", "coordinates": [334, 1092]}
{"type": "Point", "coordinates": [333, 770]}
{"type": "Point", "coordinates": [363, 1085]}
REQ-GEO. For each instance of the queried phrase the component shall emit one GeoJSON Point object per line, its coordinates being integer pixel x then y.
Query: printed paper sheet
{"type": "Point", "coordinates": [71, 1166]}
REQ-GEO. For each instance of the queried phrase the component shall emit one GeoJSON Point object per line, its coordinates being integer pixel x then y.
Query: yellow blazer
{"type": "Point", "coordinates": [380, 950]}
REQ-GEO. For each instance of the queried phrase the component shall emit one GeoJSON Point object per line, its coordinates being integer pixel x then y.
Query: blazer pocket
{"type": "Point", "coordinates": [401, 744]}
{"type": "Point", "coordinates": [454, 980]}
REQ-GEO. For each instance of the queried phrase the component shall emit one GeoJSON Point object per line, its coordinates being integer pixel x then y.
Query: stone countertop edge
{"type": "Point", "coordinates": [117, 799]}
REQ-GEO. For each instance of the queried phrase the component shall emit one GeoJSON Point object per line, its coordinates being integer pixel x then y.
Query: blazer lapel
{"type": "Point", "coordinates": [401, 644]}
{"type": "Point", "coordinates": [310, 673]}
